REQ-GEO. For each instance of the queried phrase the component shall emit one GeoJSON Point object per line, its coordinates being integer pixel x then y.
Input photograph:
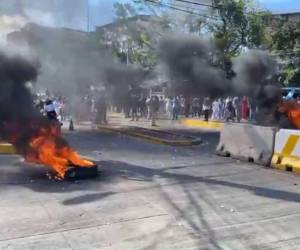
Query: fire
{"type": "Point", "coordinates": [49, 148]}
{"type": "Point", "coordinates": [291, 109]}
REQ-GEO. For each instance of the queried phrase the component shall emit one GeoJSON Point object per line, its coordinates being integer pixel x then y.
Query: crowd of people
{"type": "Point", "coordinates": [138, 105]}
{"type": "Point", "coordinates": [222, 109]}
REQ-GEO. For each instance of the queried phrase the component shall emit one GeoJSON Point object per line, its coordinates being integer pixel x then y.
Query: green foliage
{"type": "Point", "coordinates": [230, 32]}
{"type": "Point", "coordinates": [257, 35]}
{"type": "Point", "coordinates": [286, 44]}
{"type": "Point", "coordinates": [240, 25]}
{"type": "Point", "coordinates": [133, 38]}
{"type": "Point", "coordinates": [286, 35]}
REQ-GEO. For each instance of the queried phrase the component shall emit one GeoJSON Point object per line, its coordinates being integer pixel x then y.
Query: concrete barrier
{"type": "Point", "coordinates": [287, 150]}
{"type": "Point", "coordinates": [247, 142]}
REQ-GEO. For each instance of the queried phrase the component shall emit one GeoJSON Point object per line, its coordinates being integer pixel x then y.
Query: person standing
{"type": "Point", "coordinates": [194, 107]}
{"type": "Point", "coordinates": [206, 108]}
{"type": "Point", "coordinates": [236, 106]}
{"type": "Point", "coordinates": [169, 107]}
{"type": "Point", "coordinates": [101, 110]}
{"type": "Point", "coordinates": [230, 112]}
{"type": "Point", "coordinates": [134, 103]}
{"type": "Point", "coordinates": [52, 116]}
{"type": "Point", "coordinates": [176, 108]}
{"type": "Point", "coordinates": [187, 107]}
{"type": "Point", "coordinates": [245, 108]}
{"type": "Point", "coordinates": [148, 105]}
{"type": "Point", "coordinates": [198, 109]}
{"type": "Point", "coordinates": [142, 106]}
{"type": "Point", "coordinates": [182, 105]}
{"type": "Point", "coordinates": [50, 110]}
{"type": "Point", "coordinates": [154, 108]}
{"type": "Point", "coordinates": [215, 109]}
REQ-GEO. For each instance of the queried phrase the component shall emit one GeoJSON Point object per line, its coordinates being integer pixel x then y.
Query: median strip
{"type": "Point", "coordinates": [155, 136]}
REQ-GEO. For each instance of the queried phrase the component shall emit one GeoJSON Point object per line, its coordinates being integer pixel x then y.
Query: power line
{"type": "Point", "coordinates": [189, 8]}
{"type": "Point", "coordinates": [174, 7]}
{"type": "Point", "coordinates": [218, 7]}
{"type": "Point", "coordinates": [182, 10]}
{"type": "Point", "coordinates": [200, 4]}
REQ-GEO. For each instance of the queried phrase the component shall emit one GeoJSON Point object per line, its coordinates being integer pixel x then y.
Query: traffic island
{"type": "Point", "coordinates": [154, 135]}
{"type": "Point", "coordinates": [7, 148]}
{"type": "Point", "coordinates": [197, 123]}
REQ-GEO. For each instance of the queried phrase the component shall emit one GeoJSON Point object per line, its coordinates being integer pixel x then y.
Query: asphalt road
{"type": "Point", "coordinates": [149, 197]}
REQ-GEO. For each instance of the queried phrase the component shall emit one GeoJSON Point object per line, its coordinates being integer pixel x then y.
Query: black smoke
{"type": "Point", "coordinates": [20, 122]}
{"type": "Point", "coordinates": [192, 71]}
{"type": "Point", "coordinates": [189, 64]}
{"type": "Point", "coordinates": [119, 79]}
{"type": "Point", "coordinates": [256, 77]}
{"type": "Point", "coordinates": [15, 98]}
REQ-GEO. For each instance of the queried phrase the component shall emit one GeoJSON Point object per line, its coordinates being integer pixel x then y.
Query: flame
{"type": "Point", "coordinates": [45, 148]}
{"type": "Point", "coordinates": [291, 109]}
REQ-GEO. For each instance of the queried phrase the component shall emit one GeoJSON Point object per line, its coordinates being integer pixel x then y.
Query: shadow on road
{"type": "Point", "coordinates": [87, 198]}
{"type": "Point", "coordinates": [116, 171]}
{"type": "Point", "coordinates": [116, 168]}
{"type": "Point", "coordinates": [35, 179]}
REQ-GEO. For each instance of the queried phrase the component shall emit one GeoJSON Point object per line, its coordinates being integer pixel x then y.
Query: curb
{"type": "Point", "coordinates": [196, 123]}
{"type": "Point", "coordinates": [187, 142]}
{"type": "Point", "coordinates": [7, 148]}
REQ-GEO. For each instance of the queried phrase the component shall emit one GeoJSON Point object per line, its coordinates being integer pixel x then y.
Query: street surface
{"type": "Point", "coordinates": [149, 197]}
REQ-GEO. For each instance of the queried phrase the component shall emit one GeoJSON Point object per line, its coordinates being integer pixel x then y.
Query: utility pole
{"type": "Point", "coordinates": [88, 16]}
{"type": "Point", "coordinates": [127, 54]}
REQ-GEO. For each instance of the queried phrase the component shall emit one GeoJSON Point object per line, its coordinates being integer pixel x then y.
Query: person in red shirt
{"type": "Point", "coordinates": [245, 108]}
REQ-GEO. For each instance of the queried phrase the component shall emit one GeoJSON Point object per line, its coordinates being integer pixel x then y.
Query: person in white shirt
{"type": "Point", "coordinates": [50, 110]}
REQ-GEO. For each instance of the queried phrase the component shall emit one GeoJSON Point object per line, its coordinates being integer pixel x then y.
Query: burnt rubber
{"type": "Point", "coordinates": [79, 173]}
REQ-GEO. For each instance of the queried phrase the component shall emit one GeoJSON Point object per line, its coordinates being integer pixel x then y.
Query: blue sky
{"type": "Point", "coordinates": [102, 10]}
{"type": "Point", "coordinates": [73, 13]}
{"type": "Point", "coordinates": [281, 5]}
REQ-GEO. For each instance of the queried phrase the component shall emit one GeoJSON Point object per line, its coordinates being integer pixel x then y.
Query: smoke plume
{"type": "Point", "coordinates": [256, 73]}
{"type": "Point", "coordinates": [19, 120]}
{"type": "Point", "coordinates": [191, 72]}
{"type": "Point", "coordinates": [15, 97]}
{"type": "Point", "coordinates": [188, 61]}
{"type": "Point", "coordinates": [9, 24]}
{"type": "Point", "coordinates": [119, 78]}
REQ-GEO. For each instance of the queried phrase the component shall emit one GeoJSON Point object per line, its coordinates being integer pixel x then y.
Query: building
{"type": "Point", "coordinates": [33, 35]}
{"type": "Point", "coordinates": [290, 17]}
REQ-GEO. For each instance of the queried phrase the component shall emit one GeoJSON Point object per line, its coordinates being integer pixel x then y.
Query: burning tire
{"type": "Point", "coordinates": [77, 172]}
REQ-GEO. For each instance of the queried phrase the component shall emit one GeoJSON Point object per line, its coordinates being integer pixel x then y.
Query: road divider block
{"type": "Point", "coordinates": [247, 142]}
{"type": "Point", "coordinates": [287, 150]}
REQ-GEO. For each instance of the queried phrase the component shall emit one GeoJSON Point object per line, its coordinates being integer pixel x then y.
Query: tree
{"type": "Point", "coordinates": [239, 26]}
{"type": "Point", "coordinates": [133, 38]}
{"type": "Point", "coordinates": [286, 44]}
